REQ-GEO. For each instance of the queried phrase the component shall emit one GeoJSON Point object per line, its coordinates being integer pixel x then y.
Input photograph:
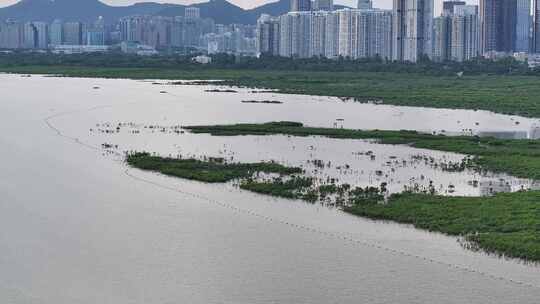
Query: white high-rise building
{"type": "Point", "coordinates": [285, 36]}
{"type": "Point", "coordinates": [295, 29]}
{"type": "Point", "coordinates": [331, 44]}
{"type": "Point", "coordinates": [318, 34]}
{"type": "Point", "coordinates": [412, 32]}
{"type": "Point", "coordinates": [365, 33]}
{"type": "Point", "coordinates": [348, 33]}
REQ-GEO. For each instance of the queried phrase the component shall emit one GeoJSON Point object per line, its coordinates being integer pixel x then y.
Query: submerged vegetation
{"type": "Point", "coordinates": [520, 158]}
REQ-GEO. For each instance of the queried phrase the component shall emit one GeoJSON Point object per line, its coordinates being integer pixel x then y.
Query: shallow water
{"type": "Point", "coordinates": [152, 129]}
{"type": "Point", "coordinates": [77, 226]}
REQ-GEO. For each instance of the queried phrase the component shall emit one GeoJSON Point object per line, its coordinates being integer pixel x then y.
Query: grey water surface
{"type": "Point", "coordinates": [78, 226]}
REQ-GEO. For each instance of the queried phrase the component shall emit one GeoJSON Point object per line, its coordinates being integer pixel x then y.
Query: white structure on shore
{"type": "Point", "coordinates": [535, 131]}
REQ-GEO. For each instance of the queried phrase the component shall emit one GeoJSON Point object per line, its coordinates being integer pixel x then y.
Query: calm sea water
{"type": "Point", "coordinates": [77, 226]}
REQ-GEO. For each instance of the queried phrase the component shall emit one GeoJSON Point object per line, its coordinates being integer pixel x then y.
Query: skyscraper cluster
{"type": "Point", "coordinates": [406, 33]}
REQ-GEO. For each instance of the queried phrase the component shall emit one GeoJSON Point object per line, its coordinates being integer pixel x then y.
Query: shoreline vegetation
{"type": "Point", "coordinates": [506, 224]}
{"type": "Point", "coordinates": [504, 86]}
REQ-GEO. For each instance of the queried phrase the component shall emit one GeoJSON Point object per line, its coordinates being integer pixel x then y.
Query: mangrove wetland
{"type": "Point", "coordinates": [506, 224]}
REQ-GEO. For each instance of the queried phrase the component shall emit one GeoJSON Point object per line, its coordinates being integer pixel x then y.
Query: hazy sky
{"type": "Point", "coordinates": [242, 3]}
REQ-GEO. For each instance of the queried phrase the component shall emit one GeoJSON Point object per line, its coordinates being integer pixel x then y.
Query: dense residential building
{"type": "Point", "coordinates": [378, 33]}
{"type": "Point", "coordinates": [29, 36]}
{"type": "Point", "coordinates": [323, 5]}
{"type": "Point", "coordinates": [442, 37]}
{"type": "Point", "coordinates": [448, 6]}
{"type": "Point", "coordinates": [498, 25]}
{"type": "Point", "coordinates": [348, 33]}
{"type": "Point", "coordinates": [192, 12]}
{"type": "Point", "coordinates": [331, 37]}
{"type": "Point", "coordinates": [42, 34]}
{"type": "Point", "coordinates": [11, 35]}
{"type": "Point", "coordinates": [523, 25]}
{"type": "Point", "coordinates": [57, 32]}
{"type": "Point", "coordinates": [73, 33]}
{"type": "Point", "coordinates": [456, 34]}
{"type": "Point", "coordinates": [300, 5]}
{"type": "Point", "coordinates": [365, 4]}
{"type": "Point", "coordinates": [268, 35]}
{"type": "Point", "coordinates": [535, 45]}
{"type": "Point", "coordinates": [412, 29]}
{"type": "Point", "coordinates": [96, 34]}
{"type": "Point", "coordinates": [465, 33]}
{"type": "Point", "coordinates": [318, 34]}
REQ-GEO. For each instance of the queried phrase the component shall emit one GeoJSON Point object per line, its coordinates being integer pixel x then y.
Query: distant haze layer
{"type": "Point", "coordinates": [247, 3]}
{"type": "Point", "coordinates": [242, 3]}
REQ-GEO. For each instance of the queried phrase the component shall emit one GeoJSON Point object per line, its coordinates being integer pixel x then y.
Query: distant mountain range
{"type": "Point", "coordinates": [88, 10]}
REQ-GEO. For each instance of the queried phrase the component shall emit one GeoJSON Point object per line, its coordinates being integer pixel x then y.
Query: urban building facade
{"type": "Point", "coordinates": [268, 35]}
{"type": "Point", "coordinates": [465, 33]}
{"type": "Point", "coordinates": [535, 44]}
{"type": "Point", "coordinates": [448, 6]}
{"type": "Point", "coordinates": [442, 37]}
{"type": "Point", "coordinates": [412, 29]}
{"type": "Point", "coordinates": [300, 5]}
{"type": "Point", "coordinates": [498, 25]}
{"type": "Point", "coordinates": [323, 5]}
{"type": "Point", "coordinates": [348, 33]}
{"type": "Point", "coordinates": [523, 25]}
{"type": "Point", "coordinates": [365, 4]}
